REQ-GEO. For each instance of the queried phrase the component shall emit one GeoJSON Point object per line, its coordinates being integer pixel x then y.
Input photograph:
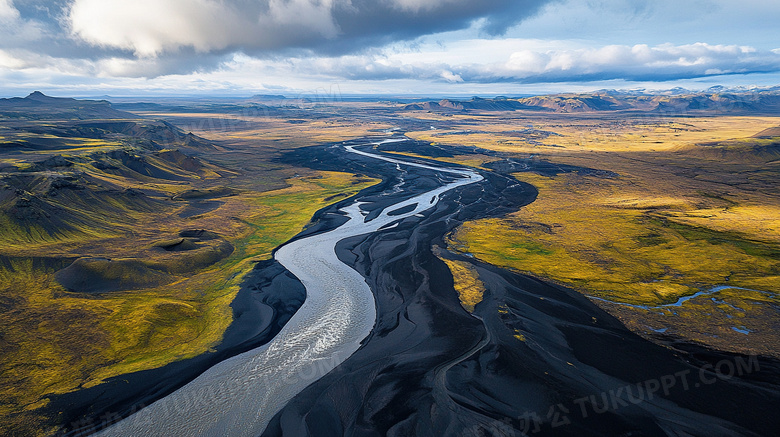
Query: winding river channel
{"type": "Point", "coordinates": [240, 395]}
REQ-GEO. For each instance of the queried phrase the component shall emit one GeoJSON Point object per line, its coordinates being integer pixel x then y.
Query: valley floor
{"type": "Point", "coordinates": [127, 236]}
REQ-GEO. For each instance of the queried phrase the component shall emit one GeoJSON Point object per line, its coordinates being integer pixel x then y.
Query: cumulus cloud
{"type": "Point", "coordinates": [637, 62]}
{"type": "Point", "coordinates": [14, 29]}
{"type": "Point", "coordinates": [418, 5]}
{"type": "Point", "coordinates": [8, 13]}
{"type": "Point", "coordinates": [632, 63]}
{"type": "Point", "coordinates": [153, 27]}
{"type": "Point", "coordinates": [148, 27]}
{"type": "Point", "coordinates": [11, 62]}
{"type": "Point", "coordinates": [451, 77]}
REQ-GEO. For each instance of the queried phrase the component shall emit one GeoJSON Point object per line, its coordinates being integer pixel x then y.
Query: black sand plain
{"type": "Point", "coordinates": [431, 368]}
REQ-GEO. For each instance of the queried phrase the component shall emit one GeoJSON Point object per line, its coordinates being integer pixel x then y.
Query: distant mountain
{"type": "Point", "coordinates": [38, 106]}
{"type": "Point", "coordinates": [268, 97]}
{"type": "Point", "coordinates": [675, 101]}
{"type": "Point", "coordinates": [476, 103]}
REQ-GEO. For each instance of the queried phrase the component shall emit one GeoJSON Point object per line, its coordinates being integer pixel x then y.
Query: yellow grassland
{"type": "Point", "coordinates": [614, 246]}
{"type": "Point", "coordinates": [466, 281]}
{"type": "Point", "coordinates": [272, 131]}
{"type": "Point", "coordinates": [581, 134]}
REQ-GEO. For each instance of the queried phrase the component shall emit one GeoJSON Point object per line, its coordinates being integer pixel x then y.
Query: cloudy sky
{"type": "Point", "coordinates": [397, 47]}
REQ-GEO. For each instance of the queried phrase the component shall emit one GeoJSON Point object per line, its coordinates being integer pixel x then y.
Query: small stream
{"type": "Point", "coordinates": [679, 301]}
{"type": "Point", "coordinates": [682, 300]}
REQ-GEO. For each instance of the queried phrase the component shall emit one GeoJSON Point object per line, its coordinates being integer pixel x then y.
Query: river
{"type": "Point", "coordinates": [240, 395]}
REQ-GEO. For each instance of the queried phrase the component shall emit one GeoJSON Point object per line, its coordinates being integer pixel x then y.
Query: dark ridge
{"type": "Point", "coordinates": [772, 132]}
{"type": "Point", "coordinates": [38, 263]}
{"type": "Point", "coordinates": [42, 107]}
{"type": "Point", "coordinates": [41, 97]}
{"type": "Point", "coordinates": [200, 234]}
{"type": "Point", "coordinates": [101, 275]}
{"type": "Point", "coordinates": [209, 193]}
{"type": "Point", "coordinates": [177, 244]}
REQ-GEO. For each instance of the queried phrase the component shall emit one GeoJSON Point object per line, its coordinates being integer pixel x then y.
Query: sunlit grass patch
{"type": "Point", "coordinates": [757, 220]}
{"type": "Point", "coordinates": [274, 131]}
{"type": "Point", "coordinates": [466, 281]}
{"type": "Point", "coordinates": [624, 249]}
{"type": "Point", "coordinates": [578, 133]}
{"type": "Point", "coordinates": [282, 213]}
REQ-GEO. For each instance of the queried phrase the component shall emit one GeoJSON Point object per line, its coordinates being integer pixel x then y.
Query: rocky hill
{"type": "Point", "coordinates": [38, 106]}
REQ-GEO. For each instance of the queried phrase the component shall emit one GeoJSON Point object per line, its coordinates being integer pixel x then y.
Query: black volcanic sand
{"type": "Point", "coordinates": [431, 368]}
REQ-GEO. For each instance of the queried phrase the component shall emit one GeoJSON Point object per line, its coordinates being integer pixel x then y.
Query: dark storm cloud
{"type": "Point", "coordinates": [372, 23]}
